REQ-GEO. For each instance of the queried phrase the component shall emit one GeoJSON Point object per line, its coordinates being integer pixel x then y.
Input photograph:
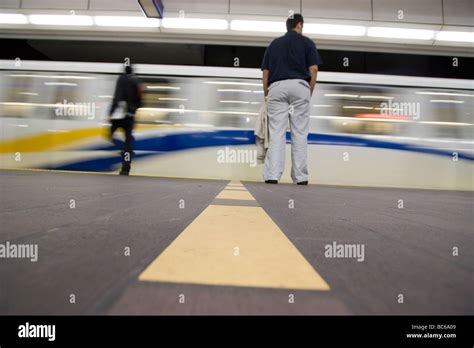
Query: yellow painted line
{"type": "Point", "coordinates": [232, 187]}
{"type": "Point", "coordinates": [236, 184]}
{"type": "Point", "coordinates": [234, 246]}
{"type": "Point", "coordinates": [244, 195]}
{"type": "Point", "coordinates": [227, 188]}
{"type": "Point", "coordinates": [235, 188]}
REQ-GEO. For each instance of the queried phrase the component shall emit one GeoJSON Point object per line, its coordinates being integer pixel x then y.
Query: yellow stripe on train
{"type": "Point", "coordinates": [54, 140]}
{"type": "Point", "coordinates": [50, 140]}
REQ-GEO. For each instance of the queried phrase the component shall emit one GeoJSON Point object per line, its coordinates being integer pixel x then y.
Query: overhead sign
{"type": "Point", "coordinates": [152, 8]}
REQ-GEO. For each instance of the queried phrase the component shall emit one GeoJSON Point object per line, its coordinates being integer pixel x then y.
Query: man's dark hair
{"type": "Point", "coordinates": [293, 21]}
{"type": "Point", "coordinates": [128, 69]}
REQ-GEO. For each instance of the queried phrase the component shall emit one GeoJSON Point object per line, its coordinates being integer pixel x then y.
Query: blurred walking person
{"type": "Point", "coordinates": [290, 68]}
{"type": "Point", "coordinates": [127, 99]}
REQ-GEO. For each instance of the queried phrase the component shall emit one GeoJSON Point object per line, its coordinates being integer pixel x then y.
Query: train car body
{"type": "Point", "coordinates": [365, 130]}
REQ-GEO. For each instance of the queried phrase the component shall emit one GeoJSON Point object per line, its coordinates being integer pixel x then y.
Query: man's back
{"type": "Point", "coordinates": [127, 89]}
{"type": "Point", "coordinates": [289, 56]}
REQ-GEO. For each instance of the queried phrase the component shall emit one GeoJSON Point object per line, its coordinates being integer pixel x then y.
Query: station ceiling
{"type": "Point", "coordinates": [421, 26]}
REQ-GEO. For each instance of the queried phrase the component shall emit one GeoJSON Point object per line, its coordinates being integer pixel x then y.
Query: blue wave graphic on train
{"type": "Point", "coordinates": [157, 145]}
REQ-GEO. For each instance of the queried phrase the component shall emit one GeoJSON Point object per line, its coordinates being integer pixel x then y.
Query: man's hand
{"type": "Point", "coordinates": [265, 75]}
{"type": "Point", "coordinates": [313, 72]}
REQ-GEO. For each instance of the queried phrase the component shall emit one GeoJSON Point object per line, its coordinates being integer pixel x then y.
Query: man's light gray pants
{"type": "Point", "coordinates": [288, 99]}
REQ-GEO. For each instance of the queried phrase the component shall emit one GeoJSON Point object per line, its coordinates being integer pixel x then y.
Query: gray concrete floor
{"type": "Point", "coordinates": [81, 251]}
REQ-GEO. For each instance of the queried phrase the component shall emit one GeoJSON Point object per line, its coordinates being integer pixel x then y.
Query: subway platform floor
{"type": "Point", "coordinates": [76, 243]}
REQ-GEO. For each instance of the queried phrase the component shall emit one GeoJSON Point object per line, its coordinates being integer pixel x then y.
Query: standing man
{"type": "Point", "coordinates": [290, 67]}
{"type": "Point", "coordinates": [127, 99]}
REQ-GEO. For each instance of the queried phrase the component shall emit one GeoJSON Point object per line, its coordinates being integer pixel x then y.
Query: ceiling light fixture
{"type": "Point", "coordinates": [261, 26]}
{"type": "Point", "coordinates": [13, 18]}
{"type": "Point", "coordinates": [334, 29]}
{"type": "Point", "coordinates": [69, 20]}
{"type": "Point", "coordinates": [400, 33]}
{"type": "Point", "coordinates": [195, 23]}
{"type": "Point", "coordinates": [126, 21]}
{"type": "Point", "coordinates": [455, 36]}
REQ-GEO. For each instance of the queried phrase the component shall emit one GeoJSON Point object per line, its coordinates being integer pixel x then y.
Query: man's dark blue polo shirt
{"type": "Point", "coordinates": [289, 57]}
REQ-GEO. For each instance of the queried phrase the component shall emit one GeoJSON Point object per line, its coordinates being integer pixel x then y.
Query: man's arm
{"type": "Point", "coordinates": [140, 90]}
{"type": "Point", "coordinates": [313, 71]}
{"type": "Point", "coordinates": [115, 101]}
{"type": "Point", "coordinates": [265, 75]}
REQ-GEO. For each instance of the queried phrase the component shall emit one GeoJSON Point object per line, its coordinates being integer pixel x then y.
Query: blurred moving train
{"type": "Point", "coordinates": [365, 130]}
